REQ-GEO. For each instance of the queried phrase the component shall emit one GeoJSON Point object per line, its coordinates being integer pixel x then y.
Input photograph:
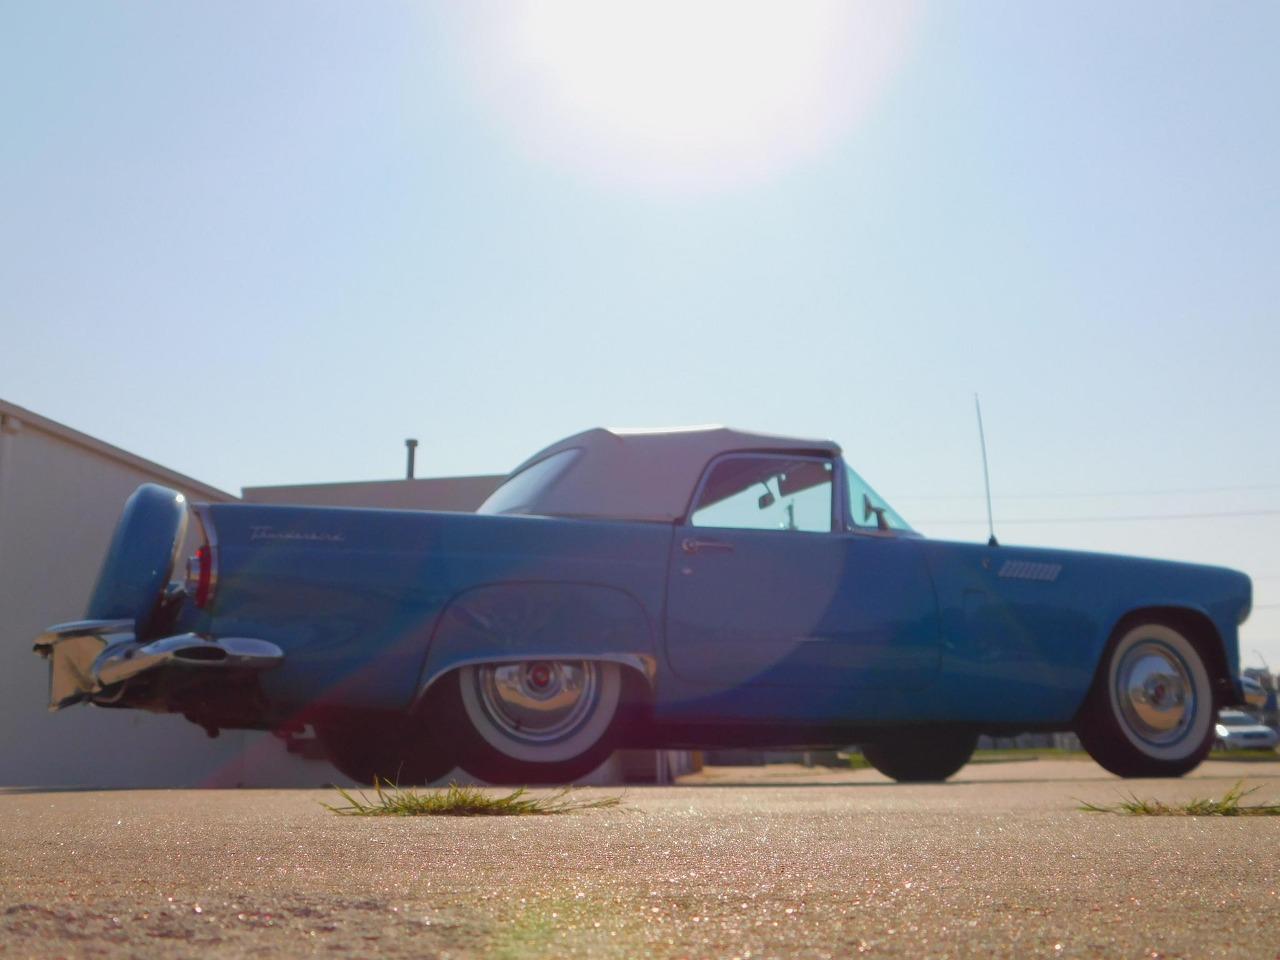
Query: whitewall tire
{"type": "Point", "coordinates": [535, 721]}
{"type": "Point", "coordinates": [1151, 710]}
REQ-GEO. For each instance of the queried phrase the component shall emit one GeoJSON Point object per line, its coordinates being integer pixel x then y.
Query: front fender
{"type": "Point", "coordinates": [1026, 628]}
{"type": "Point", "coordinates": [548, 621]}
{"type": "Point", "coordinates": [1210, 622]}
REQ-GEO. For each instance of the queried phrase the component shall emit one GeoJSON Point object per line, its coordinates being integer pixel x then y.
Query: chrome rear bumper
{"type": "Point", "coordinates": [92, 657]}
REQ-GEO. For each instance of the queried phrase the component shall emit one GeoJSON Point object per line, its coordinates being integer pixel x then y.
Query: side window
{"type": "Point", "coordinates": [750, 492]}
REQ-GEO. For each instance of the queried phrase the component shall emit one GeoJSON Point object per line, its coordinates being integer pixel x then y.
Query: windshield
{"type": "Point", "coordinates": [521, 490]}
{"type": "Point", "coordinates": [867, 509]}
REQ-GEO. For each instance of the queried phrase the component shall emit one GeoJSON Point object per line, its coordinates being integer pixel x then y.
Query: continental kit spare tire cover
{"type": "Point", "coordinates": [141, 556]}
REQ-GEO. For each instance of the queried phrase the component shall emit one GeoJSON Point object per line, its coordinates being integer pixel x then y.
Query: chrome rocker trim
{"type": "Point", "coordinates": [87, 657]}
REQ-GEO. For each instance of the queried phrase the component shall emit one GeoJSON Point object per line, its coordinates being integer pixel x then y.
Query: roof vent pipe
{"type": "Point", "coordinates": [411, 446]}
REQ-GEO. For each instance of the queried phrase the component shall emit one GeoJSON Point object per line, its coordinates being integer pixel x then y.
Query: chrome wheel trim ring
{"type": "Point", "coordinates": [538, 701]}
{"type": "Point", "coordinates": [1160, 692]}
{"type": "Point", "coordinates": [541, 711]}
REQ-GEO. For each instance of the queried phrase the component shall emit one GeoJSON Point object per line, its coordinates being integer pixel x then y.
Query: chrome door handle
{"type": "Point", "coordinates": [694, 545]}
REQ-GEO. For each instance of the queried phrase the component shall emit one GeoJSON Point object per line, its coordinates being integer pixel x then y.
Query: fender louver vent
{"type": "Point", "coordinates": [1029, 570]}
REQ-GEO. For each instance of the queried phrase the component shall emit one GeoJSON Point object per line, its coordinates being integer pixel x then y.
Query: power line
{"type": "Point", "coordinates": [1119, 518]}
{"type": "Point", "coordinates": [1086, 496]}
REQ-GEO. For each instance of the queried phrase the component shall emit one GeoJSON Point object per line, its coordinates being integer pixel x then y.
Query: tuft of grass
{"type": "Point", "coordinates": [461, 801]}
{"type": "Point", "coordinates": [1229, 805]}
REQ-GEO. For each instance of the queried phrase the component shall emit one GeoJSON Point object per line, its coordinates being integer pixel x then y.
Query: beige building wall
{"type": "Point", "coordinates": [61, 493]}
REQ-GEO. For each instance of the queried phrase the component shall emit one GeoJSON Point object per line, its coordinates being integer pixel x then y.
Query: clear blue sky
{"type": "Point", "coordinates": [263, 243]}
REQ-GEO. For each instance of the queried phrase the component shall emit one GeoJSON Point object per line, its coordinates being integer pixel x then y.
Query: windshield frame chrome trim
{"type": "Point", "coordinates": [893, 533]}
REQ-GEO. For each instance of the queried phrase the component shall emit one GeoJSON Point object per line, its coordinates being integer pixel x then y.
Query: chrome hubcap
{"type": "Point", "coordinates": [538, 701]}
{"type": "Point", "coordinates": [1154, 690]}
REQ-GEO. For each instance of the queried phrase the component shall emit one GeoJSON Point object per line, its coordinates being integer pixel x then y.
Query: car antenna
{"type": "Point", "coordinates": [986, 474]}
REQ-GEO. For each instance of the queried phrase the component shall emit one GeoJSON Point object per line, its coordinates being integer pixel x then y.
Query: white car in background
{"type": "Point", "coordinates": [1238, 730]}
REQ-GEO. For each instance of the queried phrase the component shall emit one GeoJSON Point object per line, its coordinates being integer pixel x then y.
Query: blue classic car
{"type": "Point", "coordinates": [681, 588]}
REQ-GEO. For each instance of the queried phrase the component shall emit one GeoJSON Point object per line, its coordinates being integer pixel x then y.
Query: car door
{"type": "Point", "coordinates": [768, 587]}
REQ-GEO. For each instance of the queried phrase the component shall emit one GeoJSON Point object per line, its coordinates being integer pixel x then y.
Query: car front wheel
{"type": "Point", "coordinates": [535, 721]}
{"type": "Point", "coordinates": [1150, 712]}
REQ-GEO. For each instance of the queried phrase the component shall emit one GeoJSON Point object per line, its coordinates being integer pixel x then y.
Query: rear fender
{"type": "Point", "coordinates": [506, 622]}
{"type": "Point", "coordinates": [141, 557]}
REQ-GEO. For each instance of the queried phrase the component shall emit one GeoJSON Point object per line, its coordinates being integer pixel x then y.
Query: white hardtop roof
{"type": "Point", "coordinates": [646, 474]}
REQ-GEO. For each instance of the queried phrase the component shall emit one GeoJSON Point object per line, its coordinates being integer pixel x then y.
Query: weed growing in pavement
{"type": "Point", "coordinates": [1228, 806]}
{"type": "Point", "coordinates": [461, 801]}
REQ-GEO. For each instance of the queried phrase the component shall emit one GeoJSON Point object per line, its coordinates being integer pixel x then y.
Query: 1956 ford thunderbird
{"type": "Point", "coordinates": [681, 588]}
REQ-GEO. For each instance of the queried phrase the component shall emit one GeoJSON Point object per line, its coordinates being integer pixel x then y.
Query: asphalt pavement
{"type": "Point", "coordinates": [735, 862]}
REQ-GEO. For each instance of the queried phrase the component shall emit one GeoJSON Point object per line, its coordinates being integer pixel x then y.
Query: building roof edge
{"type": "Point", "coordinates": [29, 418]}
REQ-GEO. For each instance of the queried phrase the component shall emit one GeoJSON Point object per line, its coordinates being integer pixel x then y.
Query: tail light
{"type": "Point", "coordinates": [202, 569]}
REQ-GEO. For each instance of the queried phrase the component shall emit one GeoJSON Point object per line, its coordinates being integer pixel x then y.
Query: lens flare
{"type": "Point", "coordinates": [682, 96]}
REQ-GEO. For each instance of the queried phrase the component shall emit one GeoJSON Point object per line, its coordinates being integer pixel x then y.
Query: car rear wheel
{"type": "Point", "coordinates": [921, 756]}
{"type": "Point", "coordinates": [534, 721]}
{"type": "Point", "coordinates": [393, 749]}
{"type": "Point", "coordinates": [1150, 712]}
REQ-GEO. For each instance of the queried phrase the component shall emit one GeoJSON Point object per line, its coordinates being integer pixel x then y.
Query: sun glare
{"type": "Point", "coordinates": [683, 95]}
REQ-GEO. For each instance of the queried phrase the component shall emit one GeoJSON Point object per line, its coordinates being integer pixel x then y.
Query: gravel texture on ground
{"type": "Point", "coordinates": [735, 862]}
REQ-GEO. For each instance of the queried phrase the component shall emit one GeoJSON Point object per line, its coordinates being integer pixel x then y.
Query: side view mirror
{"type": "Point", "coordinates": [868, 509]}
